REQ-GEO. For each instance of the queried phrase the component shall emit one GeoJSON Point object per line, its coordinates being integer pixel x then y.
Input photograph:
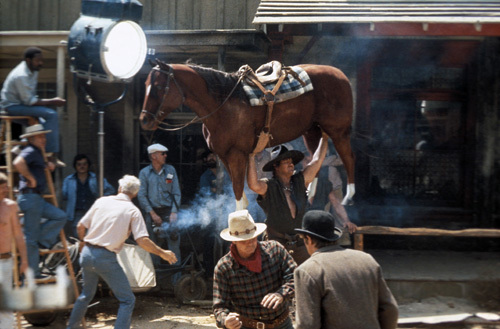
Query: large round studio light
{"type": "Point", "coordinates": [124, 50]}
{"type": "Point", "coordinates": [105, 49]}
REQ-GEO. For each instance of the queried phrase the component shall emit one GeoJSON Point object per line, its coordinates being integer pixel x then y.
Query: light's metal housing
{"type": "Point", "coordinates": [105, 49]}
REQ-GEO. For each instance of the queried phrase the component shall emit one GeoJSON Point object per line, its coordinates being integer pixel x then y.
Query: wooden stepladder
{"type": "Point", "coordinates": [7, 145]}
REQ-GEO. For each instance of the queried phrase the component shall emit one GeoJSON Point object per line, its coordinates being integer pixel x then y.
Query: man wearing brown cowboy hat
{"type": "Point", "coordinates": [30, 164]}
{"type": "Point", "coordinates": [337, 287]}
{"type": "Point", "coordinates": [253, 283]}
{"type": "Point", "coordinates": [283, 197]}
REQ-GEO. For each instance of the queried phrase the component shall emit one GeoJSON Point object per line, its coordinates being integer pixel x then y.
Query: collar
{"type": "Point", "coordinates": [334, 247]}
{"type": "Point", "coordinates": [253, 264]}
{"type": "Point", "coordinates": [27, 70]}
{"type": "Point", "coordinates": [124, 196]}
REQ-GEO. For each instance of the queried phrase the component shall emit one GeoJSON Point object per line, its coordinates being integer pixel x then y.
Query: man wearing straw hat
{"type": "Point", "coordinates": [253, 283]}
{"type": "Point", "coordinates": [337, 287]}
{"type": "Point", "coordinates": [30, 164]}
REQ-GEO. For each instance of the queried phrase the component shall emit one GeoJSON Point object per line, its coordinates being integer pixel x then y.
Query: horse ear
{"type": "Point", "coordinates": [162, 64]}
{"type": "Point", "coordinates": [151, 62]}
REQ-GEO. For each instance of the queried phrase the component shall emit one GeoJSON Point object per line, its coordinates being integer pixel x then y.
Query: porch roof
{"type": "Point", "coordinates": [367, 11]}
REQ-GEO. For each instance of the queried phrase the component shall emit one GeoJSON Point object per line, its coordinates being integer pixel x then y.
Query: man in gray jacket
{"type": "Point", "coordinates": [339, 288]}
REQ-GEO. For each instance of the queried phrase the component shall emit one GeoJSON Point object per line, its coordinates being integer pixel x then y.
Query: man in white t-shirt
{"type": "Point", "coordinates": [104, 229]}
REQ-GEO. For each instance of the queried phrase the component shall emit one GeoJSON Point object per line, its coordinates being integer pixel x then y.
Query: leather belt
{"type": "Point", "coordinates": [289, 240]}
{"type": "Point", "coordinates": [6, 255]}
{"type": "Point", "coordinates": [256, 324]}
{"type": "Point", "coordinates": [94, 246]}
{"type": "Point", "coordinates": [29, 191]}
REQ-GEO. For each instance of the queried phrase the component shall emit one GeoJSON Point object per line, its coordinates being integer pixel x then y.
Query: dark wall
{"type": "Point", "coordinates": [487, 168]}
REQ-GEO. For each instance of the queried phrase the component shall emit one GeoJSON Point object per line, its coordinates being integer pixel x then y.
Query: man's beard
{"type": "Point", "coordinates": [211, 164]}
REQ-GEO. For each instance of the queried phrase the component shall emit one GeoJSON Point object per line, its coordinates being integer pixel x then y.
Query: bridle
{"type": "Point", "coordinates": [171, 77]}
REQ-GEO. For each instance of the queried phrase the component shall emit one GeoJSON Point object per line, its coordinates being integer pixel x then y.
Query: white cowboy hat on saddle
{"type": "Point", "coordinates": [242, 227]}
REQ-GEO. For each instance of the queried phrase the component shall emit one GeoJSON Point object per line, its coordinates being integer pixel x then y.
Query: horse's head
{"type": "Point", "coordinates": [160, 98]}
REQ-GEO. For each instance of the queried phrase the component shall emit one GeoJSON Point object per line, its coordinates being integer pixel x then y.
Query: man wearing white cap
{"type": "Point", "coordinates": [160, 198]}
{"type": "Point", "coordinates": [253, 283]}
{"type": "Point", "coordinates": [30, 164]}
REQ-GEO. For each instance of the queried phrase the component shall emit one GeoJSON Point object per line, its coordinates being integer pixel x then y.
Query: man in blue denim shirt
{"type": "Point", "coordinates": [80, 190]}
{"type": "Point", "coordinates": [160, 197]}
{"type": "Point", "coordinates": [31, 166]}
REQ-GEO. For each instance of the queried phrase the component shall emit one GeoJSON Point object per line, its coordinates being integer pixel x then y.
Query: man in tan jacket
{"type": "Point", "coordinates": [337, 287]}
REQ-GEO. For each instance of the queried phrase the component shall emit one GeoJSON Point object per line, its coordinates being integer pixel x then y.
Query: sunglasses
{"type": "Point", "coordinates": [163, 153]}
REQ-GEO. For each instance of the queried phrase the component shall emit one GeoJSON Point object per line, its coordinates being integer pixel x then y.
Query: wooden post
{"type": "Point", "coordinates": [358, 241]}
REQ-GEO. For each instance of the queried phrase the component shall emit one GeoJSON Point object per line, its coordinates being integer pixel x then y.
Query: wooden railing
{"type": "Point", "coordinates": [418, 231]}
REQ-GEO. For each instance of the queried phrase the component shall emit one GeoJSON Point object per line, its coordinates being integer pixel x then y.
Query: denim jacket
{"type": "Point", "coordinates": [69, 191]}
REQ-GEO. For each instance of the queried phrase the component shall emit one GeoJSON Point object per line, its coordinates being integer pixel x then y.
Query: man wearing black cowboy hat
{"type": "Point", "coordinates": [283, 197]}
{"type": "Point", "coordinates": [337, 287]}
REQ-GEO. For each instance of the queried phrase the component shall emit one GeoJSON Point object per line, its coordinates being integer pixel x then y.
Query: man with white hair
{"type": "Point", "coordinates": [104, 229]}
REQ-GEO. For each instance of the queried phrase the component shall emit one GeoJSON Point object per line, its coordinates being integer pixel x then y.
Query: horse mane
{"type": "Point", "coordinates": [220, 84]}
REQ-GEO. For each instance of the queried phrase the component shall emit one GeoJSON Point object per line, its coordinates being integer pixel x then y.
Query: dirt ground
{"type": "Point", "coordinates": [152, 311]}
{"type": "Point", "coordinates": [155, 310]}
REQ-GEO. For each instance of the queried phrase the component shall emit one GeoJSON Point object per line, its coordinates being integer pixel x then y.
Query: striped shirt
{"type": "Point", "coordinates": [236, 289]}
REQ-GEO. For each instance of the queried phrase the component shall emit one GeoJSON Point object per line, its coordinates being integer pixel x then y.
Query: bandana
{"type": "Point", "coordinates": [253, 264]}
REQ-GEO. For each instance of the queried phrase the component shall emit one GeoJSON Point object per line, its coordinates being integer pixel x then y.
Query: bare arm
{"type": "Point", "coordinates": [148, 245]}
{"type": "Point", "coordinates": [56, 101]}
{"type": "Point", "coordinates": [22, 168]}
{"type": "Point", "coordinates": [81, 230]}
{"type": "Point", "coordinates": [19, 238]}
{"type": "Point", "coordinates": [256, 185]}
{"type": "Point", "coordinates": [339, 208]}
{"type": "Point", "coordinates": [313, 167]}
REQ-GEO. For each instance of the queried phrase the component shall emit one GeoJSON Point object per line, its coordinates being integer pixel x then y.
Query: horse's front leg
{"type": "Point", "coordinates": [236, 163]}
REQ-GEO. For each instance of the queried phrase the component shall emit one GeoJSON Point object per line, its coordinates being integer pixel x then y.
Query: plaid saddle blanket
{"type": "Point", "coordinates": [290, 88]}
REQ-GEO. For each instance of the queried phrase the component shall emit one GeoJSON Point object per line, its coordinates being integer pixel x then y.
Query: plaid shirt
{"type": "Point", "coordinates": [236, 289]}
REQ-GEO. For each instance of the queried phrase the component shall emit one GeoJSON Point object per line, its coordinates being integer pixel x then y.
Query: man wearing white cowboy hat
{"type": "Point", "coordinates": [253, 283]}
{"type": "Point", "coordinates": [337, 287]}
{"type": "Point", "coordinates": [283, 197]}
{"type": "Point", "coordinates": [30, 164]}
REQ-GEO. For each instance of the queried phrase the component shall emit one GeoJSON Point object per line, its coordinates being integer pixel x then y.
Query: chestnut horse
{"type": "Point", "coordinates": [231, 126]}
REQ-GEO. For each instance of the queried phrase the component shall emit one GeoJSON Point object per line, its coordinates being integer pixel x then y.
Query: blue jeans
{"type": "Point", "coordinates": [174, 246]}
{"type": "Point", "coordinates": [50, 122]}
{"type": "Point", "coordinates": [37, 234]}
{"type": "Point", "coordinates": [100, 262]}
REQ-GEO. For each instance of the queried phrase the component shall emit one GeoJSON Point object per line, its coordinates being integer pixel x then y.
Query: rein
{"type": "Point", "coordinates": [170, 76]}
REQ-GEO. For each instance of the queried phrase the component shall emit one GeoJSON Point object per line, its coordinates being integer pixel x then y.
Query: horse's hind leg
{"type": "Point", "coordinates": [342, 140]}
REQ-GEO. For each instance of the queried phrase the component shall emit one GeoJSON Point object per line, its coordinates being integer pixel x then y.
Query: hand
{"type": "Point", "coordinates": [58, 101]}
{"type": "Point", "coordinates": [169, 256]}
{"type": "Point", "coordinates": [156, 219]}
{"type": "Point", "coordinates": [173, 217]}
{"type": "Point", "coordinates": [51, 166]}
{"type": "Point", "coordinates": [31, 181]}
{"type": "Point", "coordinates": [351, 227]}
{"type": "Point", "coordinates": [272, 300]}
{"type": "Point", "coordinates": [232, 321]}
{"type": "Point", "coordinates": [23, 266]}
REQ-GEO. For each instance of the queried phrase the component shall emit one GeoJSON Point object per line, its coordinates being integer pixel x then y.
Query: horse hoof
{"type": "Point", "coordinates": [349, 202]}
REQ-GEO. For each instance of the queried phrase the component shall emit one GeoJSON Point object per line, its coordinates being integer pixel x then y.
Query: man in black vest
{"type": "Point", "coordinates": [283, 197]}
